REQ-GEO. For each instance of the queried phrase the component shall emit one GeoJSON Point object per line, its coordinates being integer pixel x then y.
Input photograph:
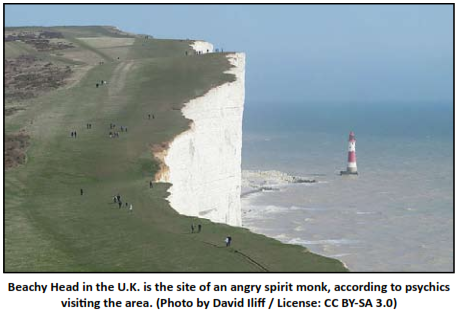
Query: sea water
{"type": "Point", "coordinates": [396, 215]}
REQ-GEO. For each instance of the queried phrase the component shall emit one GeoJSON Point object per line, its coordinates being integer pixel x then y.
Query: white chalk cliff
{"type": "Point", "coordinates": [204, 162]}
{"type": "Point", "coordinates": [202, 47]}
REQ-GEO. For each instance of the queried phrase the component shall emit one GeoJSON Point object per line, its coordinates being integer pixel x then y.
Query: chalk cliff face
{"type": "Point", "coordinates": [202, 47]}
{"type": "Point", "coordinates": [204, 163]}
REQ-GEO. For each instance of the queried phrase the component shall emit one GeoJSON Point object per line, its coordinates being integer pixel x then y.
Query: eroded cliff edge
{"type": "Point", "coordinates": [203, 164]}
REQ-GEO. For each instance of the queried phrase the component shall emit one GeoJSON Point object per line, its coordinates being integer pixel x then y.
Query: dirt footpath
{"type": "Point", "coordinates": [119, 77]}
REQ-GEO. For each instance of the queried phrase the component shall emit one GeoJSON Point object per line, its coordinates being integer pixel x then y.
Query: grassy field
{"type": "Point", "coordinates": [49, 226]}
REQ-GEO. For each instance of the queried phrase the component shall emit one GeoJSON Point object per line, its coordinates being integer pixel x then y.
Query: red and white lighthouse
{"type": "Point", "coordinates": [351, 166]}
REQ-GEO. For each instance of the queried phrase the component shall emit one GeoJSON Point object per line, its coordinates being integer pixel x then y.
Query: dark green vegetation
{"type": "Point", "coordinates": [49, 226]}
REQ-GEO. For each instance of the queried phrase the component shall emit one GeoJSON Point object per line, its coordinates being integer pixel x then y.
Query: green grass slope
{"type": "Point", "coordinates": [49, 226]}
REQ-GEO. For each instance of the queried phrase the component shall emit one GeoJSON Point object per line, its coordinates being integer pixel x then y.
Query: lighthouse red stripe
{"type": "Point", "coordinates": [351, 157]}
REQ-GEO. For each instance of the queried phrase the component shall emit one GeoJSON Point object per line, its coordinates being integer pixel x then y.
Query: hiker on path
{"type": "Point", "coordinates": [81, 192]}
{"type": "Point", "coordinates": [72, 134]}
{"type": "Point", "coordinates": [75, 134]}
{"type": "Point", "coordinates": [228, 241]}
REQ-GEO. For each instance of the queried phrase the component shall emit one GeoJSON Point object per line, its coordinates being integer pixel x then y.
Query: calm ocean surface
{"type": "Point", "coordinates": [397, 215]}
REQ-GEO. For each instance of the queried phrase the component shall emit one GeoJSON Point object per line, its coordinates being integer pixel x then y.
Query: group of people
{"type": "Point", "coordinates": [102, 82]}
{"type": "Point", "coordinates": [115, 134]}
{"type": "Point", "coordinates": [193, 228]}
{"type": "Point", "coordinates": [227, 240]}
{"type": "Point", "coordinates": [117, 200]}
{"type": "Point", "coordinates": [200, 52]}
{"type": "Point", "coordinates": [73, 133]}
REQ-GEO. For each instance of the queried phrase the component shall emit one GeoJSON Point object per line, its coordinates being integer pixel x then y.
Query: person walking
{"type": "Point", "coordinates": [228, 241]}
{"type": "Point", "coordinates": [150, 184]}
{"type": "Point", "coordinates": [81, 192]}
{"type": "Point", "coordinates": [199, 228]}
{"type": "Point", "coordinates": [192, 227]}
{"type": "Point", "coordinates": [131, 208]}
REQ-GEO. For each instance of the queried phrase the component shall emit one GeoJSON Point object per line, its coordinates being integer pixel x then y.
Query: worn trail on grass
{"type": "Point", "coordinates": [119, 77]}
{"type": "Point", "coordinates": [246, 257]}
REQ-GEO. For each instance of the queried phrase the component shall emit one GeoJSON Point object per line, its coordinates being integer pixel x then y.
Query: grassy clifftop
{"type": "Point", "coordinates": [49, 226]}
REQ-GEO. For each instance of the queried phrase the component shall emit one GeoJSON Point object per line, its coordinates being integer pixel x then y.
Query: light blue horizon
{"type": "Point", "coordinates": [298, 53]}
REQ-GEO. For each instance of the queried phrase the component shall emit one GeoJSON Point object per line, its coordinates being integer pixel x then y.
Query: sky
{"type": "Point", "coordinates": [298, 53]}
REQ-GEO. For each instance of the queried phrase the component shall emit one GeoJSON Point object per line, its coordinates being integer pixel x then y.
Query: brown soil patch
{"type": "Point", "coordinates": [11, 110]}
{"type": "Point", "coordinates": [15, 147]}
{"type": "Point", "coordinates": [41, 40]}
{"type": "Point", "coordinates": [159, 152]}
{"type": "Point", "coordinates": [26, 77]}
